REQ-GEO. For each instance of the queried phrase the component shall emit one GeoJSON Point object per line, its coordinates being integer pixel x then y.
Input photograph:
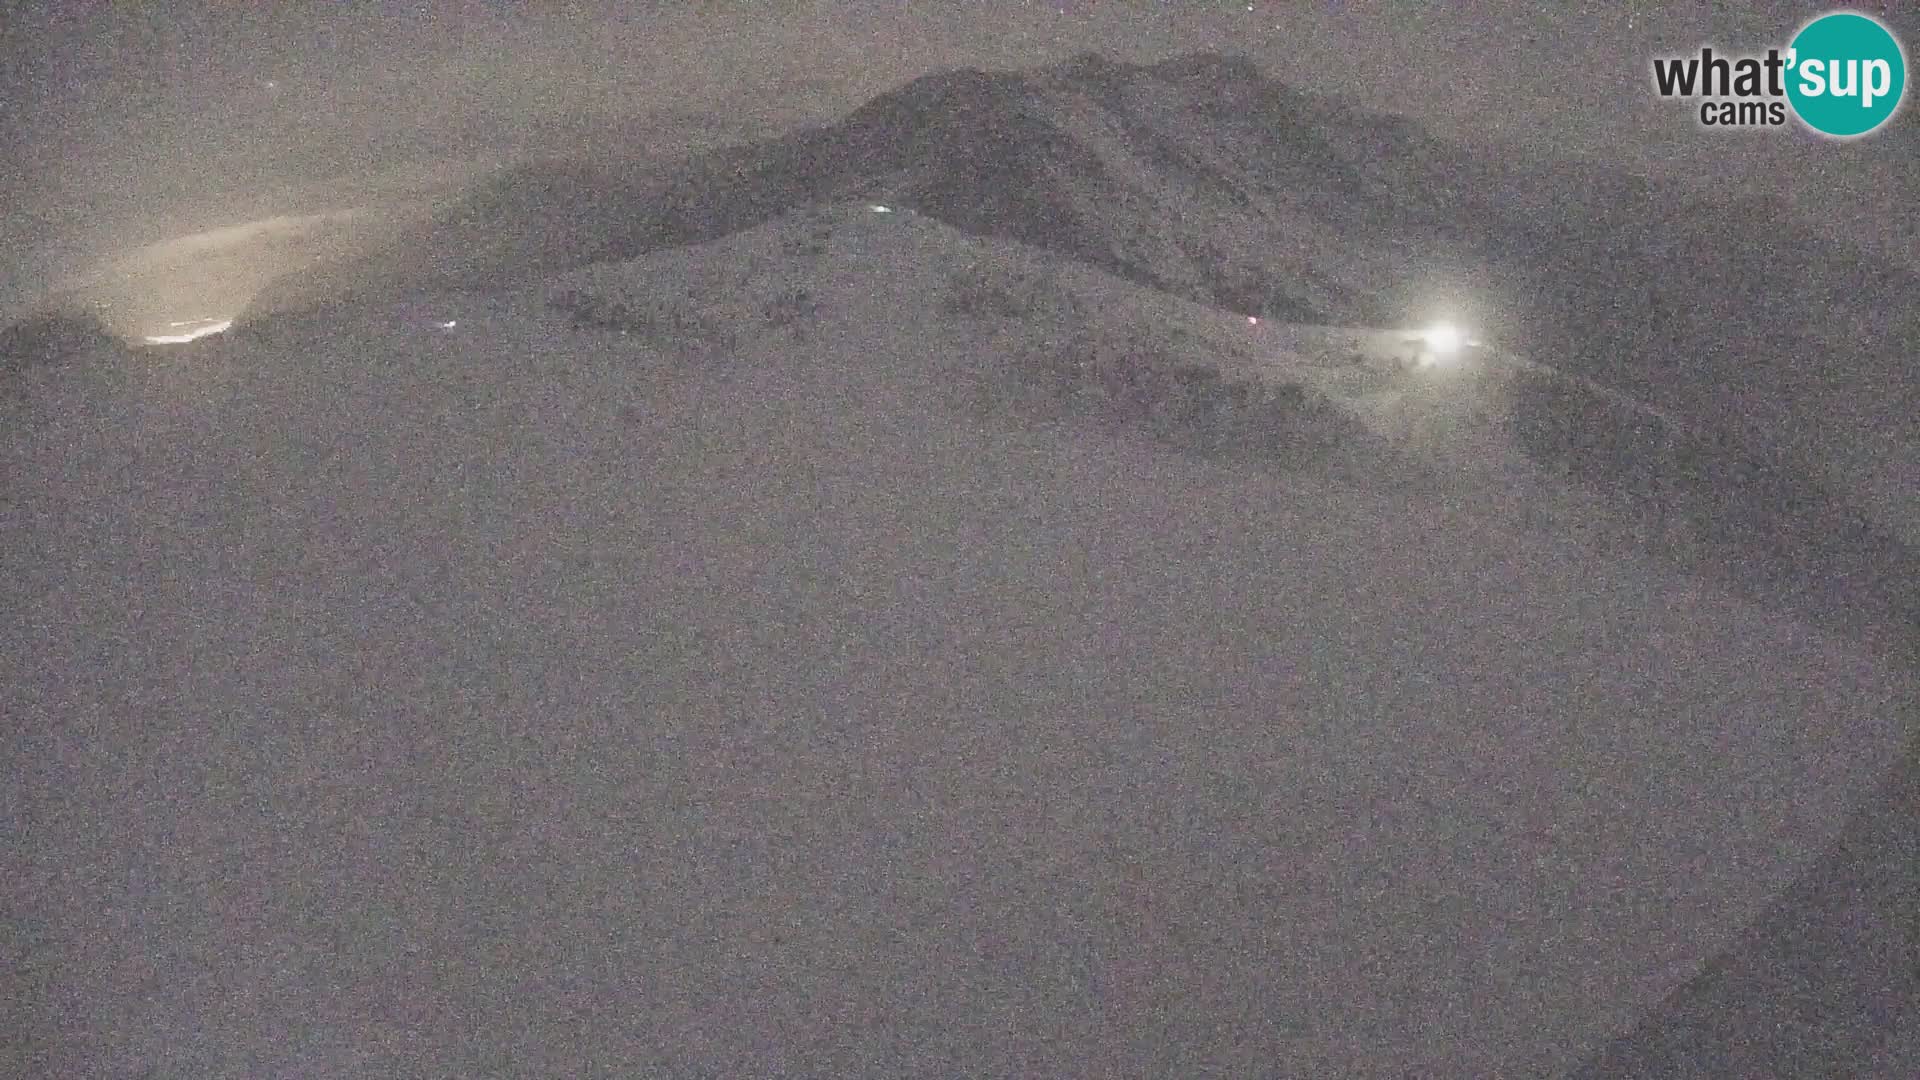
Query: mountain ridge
{"type": "Point", "coordinates": [1200, 176]}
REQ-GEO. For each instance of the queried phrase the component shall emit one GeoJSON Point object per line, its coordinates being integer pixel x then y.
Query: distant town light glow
{"type": "Point", "coordinates": [201, 328]}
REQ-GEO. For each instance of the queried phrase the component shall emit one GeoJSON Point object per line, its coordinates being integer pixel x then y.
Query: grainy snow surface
{"type": "Point", "coordinates": [513, 699]}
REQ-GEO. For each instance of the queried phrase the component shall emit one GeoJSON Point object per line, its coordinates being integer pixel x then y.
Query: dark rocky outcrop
{"type": "Point", "coordinates": [52, 338]}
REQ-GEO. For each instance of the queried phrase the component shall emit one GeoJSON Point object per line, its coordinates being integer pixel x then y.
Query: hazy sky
{"type": "Point", "coordinates": [132, 112]}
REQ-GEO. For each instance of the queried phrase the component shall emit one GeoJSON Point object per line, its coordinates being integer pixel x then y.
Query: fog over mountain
{"type": "Point", "coordinates": [1203, 177]}
{"type": "Point", "coordinates": [990, 570]}
{"type": "Point", "coordinates": [138, 123]}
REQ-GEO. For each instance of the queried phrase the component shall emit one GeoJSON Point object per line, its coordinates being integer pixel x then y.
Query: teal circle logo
{"type": "Point", "coordinates": [1846, 74]}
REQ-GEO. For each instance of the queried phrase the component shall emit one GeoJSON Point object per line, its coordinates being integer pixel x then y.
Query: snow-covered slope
{"type": "Point", "coordinates": [1201, 177]}
{"type": "Point", "coordinates": [757, 696]}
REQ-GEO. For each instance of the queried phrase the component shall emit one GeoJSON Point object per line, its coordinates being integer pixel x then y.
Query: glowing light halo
{"type": "Point", "coordinates": [1443, 338]}
{"type": "Point", "coordinates": [206, 329]}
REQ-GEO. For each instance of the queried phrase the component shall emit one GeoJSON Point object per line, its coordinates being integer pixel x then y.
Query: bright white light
{"type": "Point", "coordinates": [1444, 339]}
{"type": "Point", "coordinates": [204, 328]}
{"type": "Point", "coordinates": [878, 209]}
{"type": "Point", "coordinates": [449, 324]}
{"type": "Point", "coordinates": [1252, 321]}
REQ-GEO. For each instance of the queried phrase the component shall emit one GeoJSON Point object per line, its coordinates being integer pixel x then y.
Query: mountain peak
{"type": "Point", "coordinates": [1095, 67]}
{"type": "Point", "coordinates": [1216, 68]}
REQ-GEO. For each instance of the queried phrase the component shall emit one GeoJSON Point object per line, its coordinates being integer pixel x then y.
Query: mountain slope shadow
{"type": "Point", "coordinates": [1828, 980]}
{"type": "Point", "coordinates": [1730, 508]}
{"type": "Point", "coordinates": [1827, 983]}
{"type": "Point", "coordinates": [52, 338]}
